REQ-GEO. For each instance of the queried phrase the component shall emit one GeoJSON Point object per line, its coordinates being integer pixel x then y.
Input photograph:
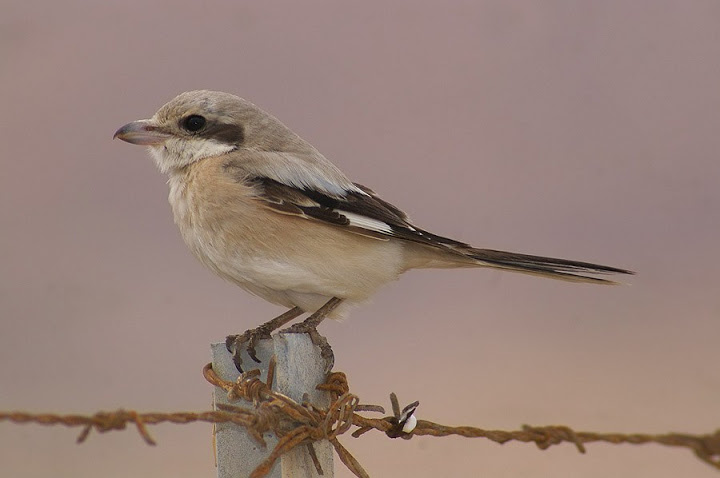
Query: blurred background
{"type": "Point", "coordinates": [586, 130]}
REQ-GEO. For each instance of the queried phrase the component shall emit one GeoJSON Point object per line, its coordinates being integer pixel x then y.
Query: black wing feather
{"type": "Point", "coordinates": [329, 209]}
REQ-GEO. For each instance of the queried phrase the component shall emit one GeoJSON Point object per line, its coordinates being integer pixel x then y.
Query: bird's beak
{"type": "Point", "coordinates": [142, 132]}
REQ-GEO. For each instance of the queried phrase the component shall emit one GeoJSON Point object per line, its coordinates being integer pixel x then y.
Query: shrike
{"type": "Point", "coordinates": [265, 210]}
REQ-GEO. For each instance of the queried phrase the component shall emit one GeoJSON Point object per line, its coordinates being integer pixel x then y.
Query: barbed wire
{"type": "Point", "coordinates": [297, 424]}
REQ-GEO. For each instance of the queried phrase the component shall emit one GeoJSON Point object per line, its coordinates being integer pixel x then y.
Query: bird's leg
{"type": "Point", "coordinates": [309, 326]}
{"type": "Point", "coordinates": [314, 320]}
{"type": "Point", "coordinates": [234, 343]}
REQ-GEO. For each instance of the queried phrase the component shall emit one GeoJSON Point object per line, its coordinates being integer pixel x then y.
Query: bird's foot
{"type": "Point", "coordinates": [247, 340]}
{"type": "Point", "coordinates": [326, 351]}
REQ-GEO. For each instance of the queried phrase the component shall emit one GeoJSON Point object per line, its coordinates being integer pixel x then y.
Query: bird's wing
{"type": "Point", "coordinates": [363, 212]}
{"type": "Point", "coordinates": [360, 212]}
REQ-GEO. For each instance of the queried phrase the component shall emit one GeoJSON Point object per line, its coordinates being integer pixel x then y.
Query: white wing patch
{"type": "Point", "coordinates": [366, 222]}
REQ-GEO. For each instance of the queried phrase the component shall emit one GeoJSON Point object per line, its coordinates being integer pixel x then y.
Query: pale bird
{"type": "Point", "coordinates": [265, 210]}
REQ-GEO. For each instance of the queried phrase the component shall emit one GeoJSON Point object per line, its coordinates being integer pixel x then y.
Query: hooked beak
{"type": "Point", "coordinates": [142, 132]}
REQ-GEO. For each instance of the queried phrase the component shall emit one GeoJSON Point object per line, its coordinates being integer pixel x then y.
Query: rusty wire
{"type": "Point", "coordinates": [298, 424]}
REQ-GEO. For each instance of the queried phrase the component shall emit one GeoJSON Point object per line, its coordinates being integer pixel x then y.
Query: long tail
{"type": "Point", "coordinates": [562, 269]}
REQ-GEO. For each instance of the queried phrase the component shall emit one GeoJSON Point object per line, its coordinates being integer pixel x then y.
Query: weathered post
{"type": "Point", "coordinates": [300, 368]}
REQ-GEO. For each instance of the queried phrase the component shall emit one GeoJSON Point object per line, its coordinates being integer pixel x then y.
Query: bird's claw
{"type": "Point", "coordinates": [248, 341]}
{"type": "Point", "coordinates": [326, 351]}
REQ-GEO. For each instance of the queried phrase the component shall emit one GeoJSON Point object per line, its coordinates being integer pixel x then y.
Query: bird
{"type": "Point", "coordinates": [265, 210]}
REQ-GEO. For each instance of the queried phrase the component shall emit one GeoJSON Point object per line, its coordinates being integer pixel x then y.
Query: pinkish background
{"type": "Point", "coordinates": [587, 130]}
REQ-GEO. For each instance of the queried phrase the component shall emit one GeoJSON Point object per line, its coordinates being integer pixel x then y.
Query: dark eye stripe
{"type": "Point", "coordinates": [225, 133]}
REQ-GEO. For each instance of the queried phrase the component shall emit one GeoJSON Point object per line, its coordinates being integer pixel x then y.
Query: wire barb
{"type": "Point", "coordinates": [298, 424]}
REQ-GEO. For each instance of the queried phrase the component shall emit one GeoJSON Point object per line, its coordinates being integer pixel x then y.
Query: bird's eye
{"type": "Point", "coordinates": [194, 123]}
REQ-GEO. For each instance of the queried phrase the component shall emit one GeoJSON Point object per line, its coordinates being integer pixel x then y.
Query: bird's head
{"type": "Point", "coordinates": [206, 124]}
{"type": "Point", "coordinates": [201, 124]}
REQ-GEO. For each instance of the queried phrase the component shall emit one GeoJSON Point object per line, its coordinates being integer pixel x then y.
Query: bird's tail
{"type": "Point", "coordinates": [561, 269]}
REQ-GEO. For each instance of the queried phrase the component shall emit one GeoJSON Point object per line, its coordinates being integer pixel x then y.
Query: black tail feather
{"type": "Point", "coordinates": [562, 269]}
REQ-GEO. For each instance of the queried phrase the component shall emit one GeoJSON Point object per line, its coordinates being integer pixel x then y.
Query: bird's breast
{"type": "Point", "coordinates": [215, 221]}
{"type": "Point", "coordinates": [233, 233]}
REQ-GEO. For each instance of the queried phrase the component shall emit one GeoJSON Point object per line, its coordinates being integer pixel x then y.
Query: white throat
{"type": "Point", "coordinates": [177, 153]}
